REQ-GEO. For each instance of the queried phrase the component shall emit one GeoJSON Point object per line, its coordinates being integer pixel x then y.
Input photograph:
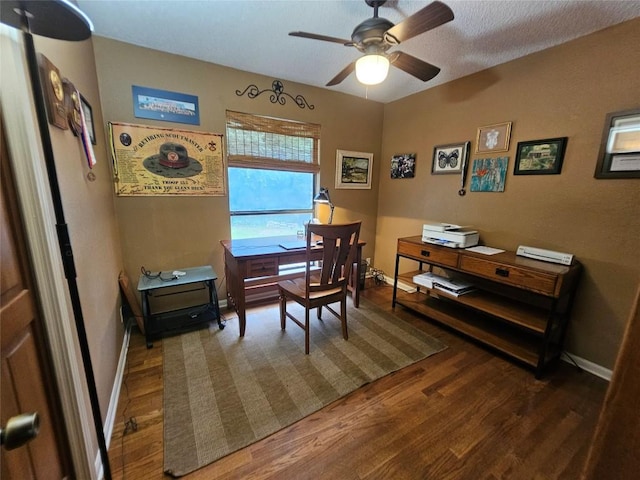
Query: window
{"type": "Point", "coordinates": [273, 165]}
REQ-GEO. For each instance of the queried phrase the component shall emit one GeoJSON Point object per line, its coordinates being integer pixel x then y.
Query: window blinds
{"type": "Point", "coordinates": [255, 141]}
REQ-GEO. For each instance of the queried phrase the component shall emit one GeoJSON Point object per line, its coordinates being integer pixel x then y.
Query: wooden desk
{"type": "Point", "coordinates": [252, 262]}
{"type": "Point", "coordinates": [520, 307]}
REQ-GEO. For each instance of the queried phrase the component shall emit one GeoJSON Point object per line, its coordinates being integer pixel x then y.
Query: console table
{"type": "Point", "coordinates": [251, 263]}
{"type": "Point", "coordinates": [520, 307]}
{"type": "Point", "coordinates": [182, 319]}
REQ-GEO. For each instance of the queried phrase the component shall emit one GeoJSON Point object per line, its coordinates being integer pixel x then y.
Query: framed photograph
{"type": "Point", "coordinates": [403, 165]}
{"type": "Point", "coordinates": [165, 106]}
{"type": "Point", "coordinates": [493, 138]}
{"type": "Point", "coordinates": [87, 111]}
{"type": "Point", "coordinates": [489, 174]}
{"type": "Point", "coordinates": [619, 155]}
{"type": "Point", "coordinates": [450, 158]}
{"type": "Point", "coordinates": [540, 157]}
{"type": "Point", "coordinates": [353, 169]}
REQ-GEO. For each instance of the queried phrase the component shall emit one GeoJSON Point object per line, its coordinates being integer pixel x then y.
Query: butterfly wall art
{"type": "Point", "coordinates": [450, 158]}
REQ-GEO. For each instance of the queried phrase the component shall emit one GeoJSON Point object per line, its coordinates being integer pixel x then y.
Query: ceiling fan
{"type": "Point", "coordinates": [376, 35]}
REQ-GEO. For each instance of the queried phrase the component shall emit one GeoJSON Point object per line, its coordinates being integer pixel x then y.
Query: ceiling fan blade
{"type": "Point", "coordinates": [413, 66]}
{"type": "Point", "coordinates": [431, 16]}
{"type": "Point", "coordinates": [346, 71]}
{"type": "Point", "coordinates": [313, 36]}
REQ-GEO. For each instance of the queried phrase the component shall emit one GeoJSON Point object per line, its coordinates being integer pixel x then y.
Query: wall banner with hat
{"type": "Point", "coordinates": [162, 161]}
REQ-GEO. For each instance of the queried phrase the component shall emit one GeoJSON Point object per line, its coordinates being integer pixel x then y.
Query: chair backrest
{"type": "Point", "coordinates": [339, 250]}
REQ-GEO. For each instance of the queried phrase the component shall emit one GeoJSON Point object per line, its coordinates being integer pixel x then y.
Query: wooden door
{"type": "Point", "coordinates": [26, 379]}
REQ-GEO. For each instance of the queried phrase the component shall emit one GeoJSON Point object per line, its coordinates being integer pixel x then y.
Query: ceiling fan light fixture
{"type": "Point", "coordinates": [372, 69]}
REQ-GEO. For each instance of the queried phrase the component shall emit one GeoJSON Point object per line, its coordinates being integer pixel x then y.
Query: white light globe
{"type": "Point", "coordinates": [372, 69]}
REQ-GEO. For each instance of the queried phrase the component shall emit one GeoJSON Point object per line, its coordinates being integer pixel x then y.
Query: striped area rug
{"type": "Point", "coordinates": [223, 392]}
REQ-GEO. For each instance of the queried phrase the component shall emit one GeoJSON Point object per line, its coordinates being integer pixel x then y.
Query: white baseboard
{"type": "Point", "coordinates": [586, 365]}
{"type": "Point", "coordinates": [115, 393]}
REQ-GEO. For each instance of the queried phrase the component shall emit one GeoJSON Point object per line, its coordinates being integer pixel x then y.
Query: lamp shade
{"type": "Point", "coordinates": [372, 69]}
{"type": "Point", "coordinates": [323, 197]}
{"type": "Point", "coordinates": [59, 19]}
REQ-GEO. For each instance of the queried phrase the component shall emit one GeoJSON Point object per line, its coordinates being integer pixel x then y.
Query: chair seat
{"type": "Point", "coordinates": [296, 287]}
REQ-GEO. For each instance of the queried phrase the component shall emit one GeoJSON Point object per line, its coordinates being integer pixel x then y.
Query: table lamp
{"type": "Point", "coordinates": [323, 197]}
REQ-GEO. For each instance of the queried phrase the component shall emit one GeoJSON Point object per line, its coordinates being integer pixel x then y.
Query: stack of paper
{"type": "Point", "coordinates": [426, 279]}
{"type": "Point", "coordinates": [447, 285]}
{"type": "Point", "coordinates": [454, 287]}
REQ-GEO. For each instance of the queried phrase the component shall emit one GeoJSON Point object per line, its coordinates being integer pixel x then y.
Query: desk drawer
{"type": "Point", "coordinates": [262, 267]}
{"type": "Point", "coordinates": [429, 253]}
{"type": "Point", "coordinates": [509, 274]}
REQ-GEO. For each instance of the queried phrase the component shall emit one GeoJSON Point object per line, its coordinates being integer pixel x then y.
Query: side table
{"type": "Point", "coordinates": [182, 319]}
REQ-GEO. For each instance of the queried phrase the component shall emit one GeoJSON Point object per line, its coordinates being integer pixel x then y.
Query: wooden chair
{"type": "Point", "coordinates": [326, 283]}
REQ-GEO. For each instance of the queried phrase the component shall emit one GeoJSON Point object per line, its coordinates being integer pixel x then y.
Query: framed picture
{"type": "Point", "coordinates": [151, 161]}
{"type": "Point", "coordinates": [165, 106]}
{"type": "Point", "coordinates": [489, 174]}
{"type": "Point", "coordinates": [353, 169]}
{"type": "Point", "coordinates": [619, 155]}
{"type": "Point", "coordinates": [403, 165]}
{"type": "Point", "coordinates": [450, 158]}
{"type": "Point", "coordinates": [87, 111]}
{"type": "Point", "coordinates": [540, 157]}
{"type": "Point", "coordinates": [493, 138]}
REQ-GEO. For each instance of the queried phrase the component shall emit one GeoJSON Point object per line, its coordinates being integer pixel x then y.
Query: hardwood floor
{"type": "Point", "coordinates": [464, 413]}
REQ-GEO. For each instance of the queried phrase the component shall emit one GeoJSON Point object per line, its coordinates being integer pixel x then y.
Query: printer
{"type": "Point", "coordinates": [449, 235]}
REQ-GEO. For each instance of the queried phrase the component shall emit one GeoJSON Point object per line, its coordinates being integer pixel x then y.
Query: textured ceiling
{"type": "Point", "coordinates": [252, 35]}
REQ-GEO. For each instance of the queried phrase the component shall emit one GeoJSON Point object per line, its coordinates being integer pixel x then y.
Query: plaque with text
{"type": "Point", "coordinates": [161, 161]}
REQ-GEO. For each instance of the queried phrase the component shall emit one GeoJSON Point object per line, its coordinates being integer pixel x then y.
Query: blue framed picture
{"type": "Point", "coordinates": [165, 106]}
{"type": "Point", "coordinates": [489, 174]}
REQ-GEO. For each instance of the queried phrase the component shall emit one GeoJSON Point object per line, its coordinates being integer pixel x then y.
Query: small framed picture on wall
{"type": "Point", "coordinates": [353, 169]}
{"type": "Point", "coordinates": [493, 138]}
{"type": "Point", "coordinates": [619, 155]}
{"type": "Point", "coordinates": [450, 158]}
{"type": "Point", "coordinates": [403, 165]}
{"type": "Point", "coordinates": [88, 118]}
{"type": "Point", "coordinates": [540, 157]}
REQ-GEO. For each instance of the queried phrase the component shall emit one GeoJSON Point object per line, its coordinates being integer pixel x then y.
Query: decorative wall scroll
{"type": "Point", "coordinates": [162, 161]}
{"type": "Point", "coordinates": [165, 106]}
{"type": "Point", "coordinates": [277, 94]}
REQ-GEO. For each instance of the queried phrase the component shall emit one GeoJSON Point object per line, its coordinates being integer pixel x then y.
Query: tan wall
{"type": "Point", "coordinates": [163, 233]}
{"type": "Point", "coordinates": [563, 91]}
{"type": "Point", "coordinates": [90, 215]}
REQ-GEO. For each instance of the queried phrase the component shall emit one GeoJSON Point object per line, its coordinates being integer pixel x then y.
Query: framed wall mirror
{"type": "Point", "coordinates": [619, 155]}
